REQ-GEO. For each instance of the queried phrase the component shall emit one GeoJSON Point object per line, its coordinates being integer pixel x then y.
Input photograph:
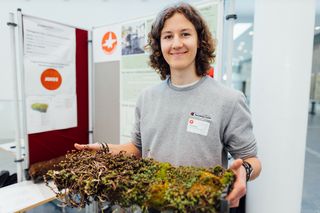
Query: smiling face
{"type": "Point", "coordinates": [179, 43]}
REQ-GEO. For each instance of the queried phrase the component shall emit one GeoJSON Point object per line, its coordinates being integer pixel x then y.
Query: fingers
{"type": "Point", "coordinates": [239, 186]}
{"type": "Point", "coordinates": [236, 164]}
{"type": "Point", "coordinates": [233, 204]}
{"type": "Point", "coordinates": [95, 146]}
{"type": "Point", "coordinates": [86, 146]}
{"type": "Point", "coordinates": [81, 146]}
{"type": "Point", "coordinates": [238, 191]}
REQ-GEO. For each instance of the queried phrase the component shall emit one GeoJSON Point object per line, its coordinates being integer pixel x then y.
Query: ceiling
{"type": "Point", "coordinates": [244, 9]}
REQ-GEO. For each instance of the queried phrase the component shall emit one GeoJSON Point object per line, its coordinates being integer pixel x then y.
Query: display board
{"type": "Point", "coordinates": [56, 79]}
{"type": "Point", "coordinates": [135, 73]}
{"type": "Point", "coordinates": [120, 57]}
{"type": "Point", "coordinates": [49, 67]}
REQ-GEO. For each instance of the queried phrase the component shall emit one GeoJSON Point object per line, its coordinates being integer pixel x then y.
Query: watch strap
{"type": "Point", "coordinates": [247, 166]}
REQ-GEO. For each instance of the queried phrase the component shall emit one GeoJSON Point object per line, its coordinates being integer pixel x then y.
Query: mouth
{"type": "Point", "coordinates": [178, 53]}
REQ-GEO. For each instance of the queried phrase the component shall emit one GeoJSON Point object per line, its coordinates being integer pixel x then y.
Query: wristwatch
{"type": "Point", "coordinates": [249, 170]}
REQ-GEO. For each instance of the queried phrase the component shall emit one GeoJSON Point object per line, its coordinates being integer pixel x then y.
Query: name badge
{"type": "Point", "coordinates": [198, 126]}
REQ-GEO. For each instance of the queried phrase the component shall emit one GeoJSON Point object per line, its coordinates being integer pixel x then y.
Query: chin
{"type": "Point", "coordinates": [181, 66]}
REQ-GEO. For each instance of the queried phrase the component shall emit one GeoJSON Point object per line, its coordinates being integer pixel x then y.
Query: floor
{"type": "Point", "coordinates": [311, 186]}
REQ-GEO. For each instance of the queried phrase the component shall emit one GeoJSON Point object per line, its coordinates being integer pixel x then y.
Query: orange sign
{"type": "Point", "coordinates": [211, 72]}
{"type": "Point", "coordinates": [51, 79]}
{"type": "Point", "coordinates": [109, 42]}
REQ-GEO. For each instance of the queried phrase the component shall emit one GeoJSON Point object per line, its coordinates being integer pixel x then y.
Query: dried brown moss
{"type": "Point", "coordinates": [39, 169]}
{"type": "Point", "coordinates": [127, 180]}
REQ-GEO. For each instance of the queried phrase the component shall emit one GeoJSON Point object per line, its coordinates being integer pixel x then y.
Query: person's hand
{"type": "Point", "coordinates": [94, 146]}
{"type": "Point", "coordinates": [239, 186]}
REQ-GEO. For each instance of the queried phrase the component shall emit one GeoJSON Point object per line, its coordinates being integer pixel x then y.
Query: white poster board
{"type": "Point", "coordinates": [50, 79]}
{"type": "Point", "coordinates": [107, 43]}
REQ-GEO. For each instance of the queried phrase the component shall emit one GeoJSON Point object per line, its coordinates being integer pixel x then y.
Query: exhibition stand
{"type": "Point", "coordinates": [94, 85]}
{"type": "Point", "coordinates": [43, 145]}
{"type": "Point", "coordinates": [39, 145]}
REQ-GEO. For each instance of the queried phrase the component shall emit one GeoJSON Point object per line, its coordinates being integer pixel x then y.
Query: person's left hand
{"type": "Point", "coordinates": [239, 186]}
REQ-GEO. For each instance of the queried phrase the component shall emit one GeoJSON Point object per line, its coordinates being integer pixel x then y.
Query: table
{"type": "Point", "coordinates": [24, 196]}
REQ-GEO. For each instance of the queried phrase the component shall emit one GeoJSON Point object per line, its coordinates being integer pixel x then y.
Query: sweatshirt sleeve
{"type": "Point", "coordinates": [239, 139]}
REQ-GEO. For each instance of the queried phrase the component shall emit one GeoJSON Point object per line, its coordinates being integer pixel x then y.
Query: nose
{"type": "Point", "coordinates": [177, 43]}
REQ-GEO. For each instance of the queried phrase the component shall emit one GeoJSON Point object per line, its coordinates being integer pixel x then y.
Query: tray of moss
{"type": "Point", "coordinates": [125, 180]}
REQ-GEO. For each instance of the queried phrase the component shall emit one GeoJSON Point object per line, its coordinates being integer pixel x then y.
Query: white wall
{"type": "Point", "coordinates": [80, 13]}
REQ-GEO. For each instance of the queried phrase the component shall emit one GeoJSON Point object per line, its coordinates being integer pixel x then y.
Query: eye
{"type": "Point", "coordinates": [166, 37]}
{"type": "Point", "coordinates": [185, 34]}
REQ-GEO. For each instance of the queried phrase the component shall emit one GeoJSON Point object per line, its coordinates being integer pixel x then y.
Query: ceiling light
{"type": "Point", "coordinates": [251, 33]}
{"type": "Point", "coordinates": [224, 77]}
{"type": "Point", "coordinates": [240, 28]}
{"type": "Point", "coordinates": [317, 28]}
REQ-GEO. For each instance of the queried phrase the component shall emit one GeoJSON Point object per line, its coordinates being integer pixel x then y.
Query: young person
{"type": "Point", "coordinates": [190, 119]}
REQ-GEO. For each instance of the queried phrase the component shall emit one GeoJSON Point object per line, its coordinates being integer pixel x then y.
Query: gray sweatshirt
{"type": "Point", "coordinates": [193, 126]}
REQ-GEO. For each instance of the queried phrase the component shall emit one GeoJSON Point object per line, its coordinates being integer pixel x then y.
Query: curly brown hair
{"type": "Point", "coordinates": [206, 47]}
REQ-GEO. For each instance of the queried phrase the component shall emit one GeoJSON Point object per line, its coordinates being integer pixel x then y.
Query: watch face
{"type": "Point", "coordinates": [251, 171]}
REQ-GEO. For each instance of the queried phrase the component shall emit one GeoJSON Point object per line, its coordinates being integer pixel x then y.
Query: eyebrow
{"type": "Point", "coordinates": [183, 30]}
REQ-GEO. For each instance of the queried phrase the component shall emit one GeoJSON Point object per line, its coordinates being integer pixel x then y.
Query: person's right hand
{"type": "Point", "coordinates": [94, 146]}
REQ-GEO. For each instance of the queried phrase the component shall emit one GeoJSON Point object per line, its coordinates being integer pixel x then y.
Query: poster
{"type": "Point", "coordinates": [133, 81]}
{"type": "Point", "coordinates": [50, 77]}
{"type": "Point", "coordinates": [107, 43]}
{"type": "Point", "coordinates": [209, 12]}
{"type": "Point", "coordinates": [133, 38]}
